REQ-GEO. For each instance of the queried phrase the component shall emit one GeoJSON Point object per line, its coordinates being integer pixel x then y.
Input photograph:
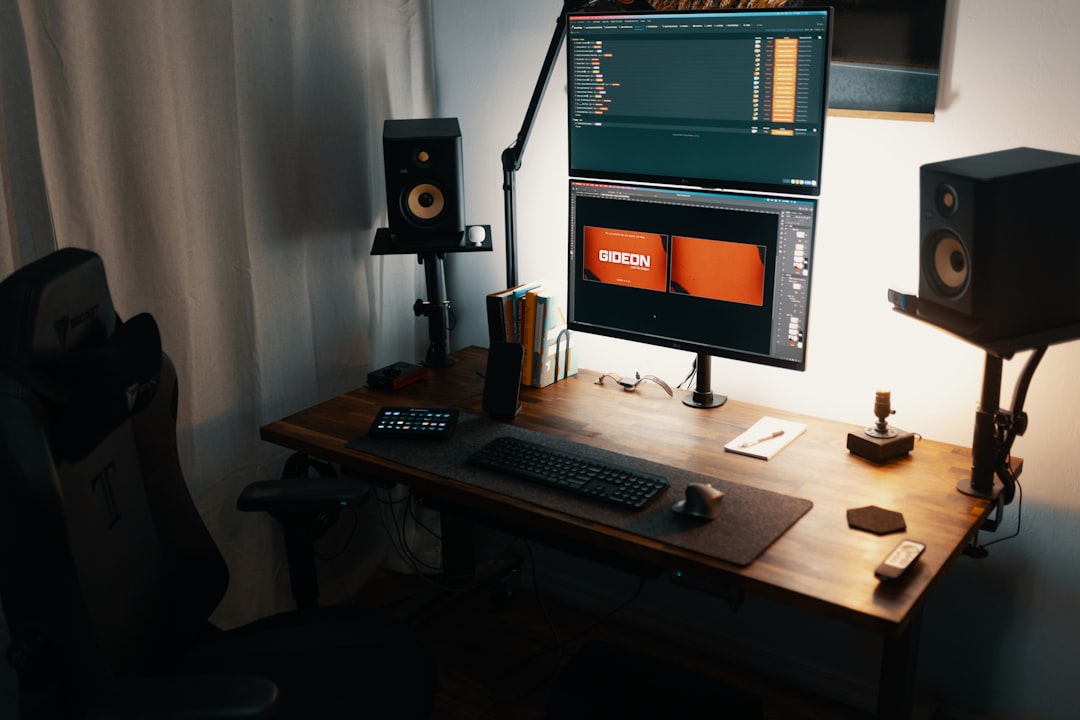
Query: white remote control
{"type": "Point", "coordinates": [899, 560]}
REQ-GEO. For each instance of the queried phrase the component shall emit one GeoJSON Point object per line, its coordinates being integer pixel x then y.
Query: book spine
{"type": "Point", "coordinates": [543, 303]}
{"type": "Point", "coordinates": [528, 334]}
{"type": "Point", "coordinates": [517, 311]}
{"type": "Point", "coordinates": [508, 317]}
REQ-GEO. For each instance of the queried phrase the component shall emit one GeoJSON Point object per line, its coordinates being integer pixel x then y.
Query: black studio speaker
{"type": "Point", "coordinates": [1000, 247]}
{"type": "Point", "coordinates": [424, 178]}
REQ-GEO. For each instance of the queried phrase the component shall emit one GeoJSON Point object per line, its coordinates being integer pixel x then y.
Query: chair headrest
{"type": "Point", "coordinates": [53, 304]}
{"type": "Point", "coordinates": [60, 335]}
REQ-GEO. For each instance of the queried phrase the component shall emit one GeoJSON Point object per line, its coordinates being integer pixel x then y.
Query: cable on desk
{"type": "Point", "coordinates": [688, 381]}
{"type": "Point", "coordinates": [1019, 513]}
{"type": "Point", "coordinates": [631, 385]}
{"type": "Point", "coordinates": [411, 510]}
{"type": "Point", "coordinates": [423, 570]}
{"type": "Point", "coordinates": [397, 535]}
{"type": "Point", "coordinates": [345, 544]}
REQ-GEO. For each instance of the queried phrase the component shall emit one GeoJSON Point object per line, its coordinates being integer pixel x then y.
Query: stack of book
{"type": "Point", "coordinates": [529, 315]}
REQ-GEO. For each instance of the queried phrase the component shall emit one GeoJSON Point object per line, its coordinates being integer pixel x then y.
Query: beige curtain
{"type": "Point", "coordinates": [225, 160]}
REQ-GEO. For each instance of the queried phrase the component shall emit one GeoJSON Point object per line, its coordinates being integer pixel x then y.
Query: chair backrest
{"type": "Point", "coordinates": [104, 561]}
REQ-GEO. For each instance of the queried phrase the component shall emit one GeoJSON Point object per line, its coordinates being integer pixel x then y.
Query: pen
{"type": "Point", "coordinates": [776, 434]}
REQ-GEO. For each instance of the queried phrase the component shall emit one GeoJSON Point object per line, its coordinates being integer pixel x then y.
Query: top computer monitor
{"type": "Point", "coordinates": [719, 99]}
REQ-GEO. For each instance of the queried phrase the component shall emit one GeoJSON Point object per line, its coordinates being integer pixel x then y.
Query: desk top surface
{"type": "Point", "coordinates": [820, 564]}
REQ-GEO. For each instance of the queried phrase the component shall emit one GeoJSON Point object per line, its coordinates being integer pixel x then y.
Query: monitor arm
{"type": "Point", "coordinates": [511, 156]}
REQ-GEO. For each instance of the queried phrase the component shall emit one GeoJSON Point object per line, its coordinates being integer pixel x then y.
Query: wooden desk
{"type": "Point", "coordinates": [820, 565]}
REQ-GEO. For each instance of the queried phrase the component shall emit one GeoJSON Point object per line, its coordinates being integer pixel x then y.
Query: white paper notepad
{"type": "Point", "coordinates": [766, 437]}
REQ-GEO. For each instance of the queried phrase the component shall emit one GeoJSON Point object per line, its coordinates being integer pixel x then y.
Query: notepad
{"type": "Point", "coordinates": [766, 437]}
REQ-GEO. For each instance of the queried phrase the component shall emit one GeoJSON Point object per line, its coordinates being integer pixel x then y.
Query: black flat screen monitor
{"type": "Point", "coordinates": [719, 273]}
{"type": "Point", "coordinates": [722, 99]}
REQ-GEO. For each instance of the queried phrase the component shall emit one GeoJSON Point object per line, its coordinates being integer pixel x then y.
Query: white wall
{"type": "Point", "coordinates": [1000, 635]}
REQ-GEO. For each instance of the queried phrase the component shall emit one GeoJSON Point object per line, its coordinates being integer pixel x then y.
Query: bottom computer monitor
{"type": "Point", "coordinates": [719, 273]}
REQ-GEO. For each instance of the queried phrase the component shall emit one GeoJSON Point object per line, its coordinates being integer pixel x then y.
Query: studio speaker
{"type": "Point", "coordinates": [422, 159]}
{"type": "Point", "coordinates": [1000, 246]}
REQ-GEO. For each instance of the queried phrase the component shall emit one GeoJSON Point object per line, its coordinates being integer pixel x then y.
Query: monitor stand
{"type": "Point", "coordinates": [702, 395]}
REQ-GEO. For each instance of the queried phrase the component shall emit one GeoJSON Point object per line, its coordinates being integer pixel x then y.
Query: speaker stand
{"type": "Point", "coordinates": [984, 446]}
{"type": "Point", "coordinates": [436, 309]}
{"type": "Point", "coordinates": [996, 429]}
{"type": "Point", "coordinates": [430, 250]}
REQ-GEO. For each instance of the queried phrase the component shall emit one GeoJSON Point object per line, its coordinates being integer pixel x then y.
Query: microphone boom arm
{"type": "Point", "coordinates": [511, 156]}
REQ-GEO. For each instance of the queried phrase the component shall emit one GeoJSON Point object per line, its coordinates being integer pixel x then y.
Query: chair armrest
{"type": "Point", "coordinates": [306, 507]}
{"type": "Point", "coordinates": [291, 495]}
{"type": "Point", "coordinates": [191, 697]}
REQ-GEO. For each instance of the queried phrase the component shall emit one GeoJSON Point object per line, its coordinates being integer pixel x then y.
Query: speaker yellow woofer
{"type": "Point", "coordinates": [951, 267]}
{"type": "Point", "coordinates": [425, 202]}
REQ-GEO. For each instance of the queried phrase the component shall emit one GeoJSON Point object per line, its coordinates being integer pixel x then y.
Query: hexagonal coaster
{"type": "Point", "coordinates": [876, 520]}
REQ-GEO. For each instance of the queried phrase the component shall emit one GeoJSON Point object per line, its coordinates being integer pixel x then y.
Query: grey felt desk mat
{"type": "Point", "coordinates": [750, 519]}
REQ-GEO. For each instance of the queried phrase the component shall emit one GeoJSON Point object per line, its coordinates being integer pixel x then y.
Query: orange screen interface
{"type": "Point", "coordinates": [717, 269]}
{"type": "Point", "coordinates": [626, 257]}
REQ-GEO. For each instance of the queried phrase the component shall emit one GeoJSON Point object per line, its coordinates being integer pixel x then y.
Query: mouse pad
{"type": "Point", "coordinates": [750, 518]}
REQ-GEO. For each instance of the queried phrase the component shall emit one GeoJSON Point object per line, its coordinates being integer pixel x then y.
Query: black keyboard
{"type": "Point", "coordinates": [619, 486]}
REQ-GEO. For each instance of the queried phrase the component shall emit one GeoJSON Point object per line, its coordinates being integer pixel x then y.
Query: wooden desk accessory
{"type": "Point", "coordinates": [880, 442]}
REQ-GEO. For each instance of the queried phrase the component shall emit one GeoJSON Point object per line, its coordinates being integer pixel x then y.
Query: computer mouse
{"type": "Point", "coordinates": [702, 500]}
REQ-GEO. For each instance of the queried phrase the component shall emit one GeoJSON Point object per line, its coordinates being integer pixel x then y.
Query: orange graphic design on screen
{"type": "Point", "coordinates": [625, 257]}
{"type": "Point", "coordinates": [717, 269]}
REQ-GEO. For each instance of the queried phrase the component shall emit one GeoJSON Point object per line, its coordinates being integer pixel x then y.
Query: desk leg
{"type": "Point", "coordinates": [458, 549]}
{"type": "Point", "coordinates": [900, 654]}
